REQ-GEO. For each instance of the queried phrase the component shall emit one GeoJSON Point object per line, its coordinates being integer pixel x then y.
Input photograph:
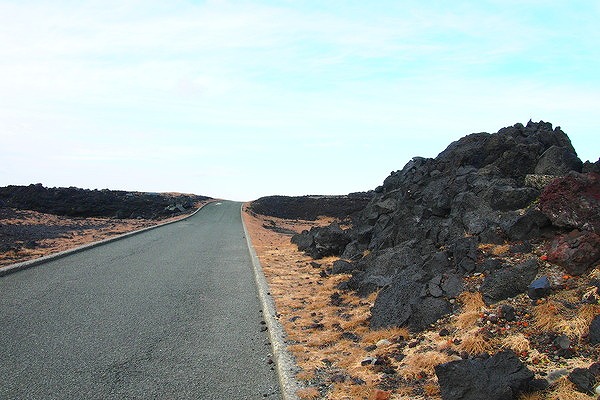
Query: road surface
{"type": "Point", "coordinates": [171, 313]}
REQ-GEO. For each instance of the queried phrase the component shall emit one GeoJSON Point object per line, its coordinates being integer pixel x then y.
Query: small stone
{"type": "Point", "coordinates": [507, 312]}
{"type": "Point", "coordinates": [562, 342]}
{"type": "Point", "coordinates": [539, 288]}
{"type": "Point", "coordinates": [444, 332]}
{"type": "Point", "coordinates": [368, 361]}
{"type": "Point", "coordinates": [383, 342]}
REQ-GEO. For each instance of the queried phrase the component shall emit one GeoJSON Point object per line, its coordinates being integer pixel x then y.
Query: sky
{"type": "Point", "coordinates": [243, 99]}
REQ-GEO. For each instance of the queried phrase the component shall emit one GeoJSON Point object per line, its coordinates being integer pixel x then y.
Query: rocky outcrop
{"type": "Point", "coordinates": [500, 377]}
{"type": "Point", "coordinates": [75, 202]}
{"type": "Point", "coordinates": [423, 228]}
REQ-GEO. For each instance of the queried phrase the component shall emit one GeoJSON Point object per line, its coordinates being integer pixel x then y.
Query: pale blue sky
{"type": "Point", "coordinates": [240, 99]}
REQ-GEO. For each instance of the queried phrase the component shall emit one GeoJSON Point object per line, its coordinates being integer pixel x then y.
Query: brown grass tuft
{"type": "Point", "coordinates": [565, 390]}
{"type": "Point", "coordinates": [472, 306]}
{"type": "Point", "coordinates": [517, 343]}
{"type": "Point", "coordinates": [309, 393]}
{"type": "Point", "coordinates": [387, 333]}
{"type": "Point", "coordinates": [546, 316]}
{"type": "Point", "coordinates": [420, 365]}
{"type": "Point", "coordinates": [474, 342]}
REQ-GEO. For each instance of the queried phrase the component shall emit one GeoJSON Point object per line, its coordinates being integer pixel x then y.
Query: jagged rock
{"type": "Point", "coordinates": [405, 303]}
{"type": "Point", "coordinates": [583, 379]}
{"type": "Point", "coordinates": [452, 285]}
{"type": "Point", "coordinates": [558, 161]}
{"type": "Point", "coordinates": [573, 201]}
{"type": "Point", "coordinates": [464, 251]}
{"type": "Point", "coordinates": [594, 335]}
{"type": "Point", "coordinates": [507, 312]}
{"type": "Point", "coordinates": [532, 224]}
{"type": "Point", "coordinates": [539, 288]}
{"type": "Point", "coordinates": [591, 167]}
{"type": "Point", "coordinates": [342, 267]}
{"type": "Point", "coordinates": [323, 241]}
{"type": "Point", "coordinates": [577, 251]}
{"type": "Point", "coordinates": [509, 281]}
{"type": "Point", "coordinates": [500, 377]}
{"type": "Point", "coordinates": [303, 240]}
{"type": "Point", "coordinates": [473, 192]}
{"type": "Point", "coordinates": [378, 268]}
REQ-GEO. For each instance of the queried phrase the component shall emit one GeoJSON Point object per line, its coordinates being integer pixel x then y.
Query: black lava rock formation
{"type": "Point", "coordinates": [75, 202]}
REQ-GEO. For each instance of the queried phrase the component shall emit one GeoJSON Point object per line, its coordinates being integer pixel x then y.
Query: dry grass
{"type": "Point", "coordinates": [309, 393]}
{"type": "Point", "coordinates": [421, 365]}
{"type": "Point", "coordinates": [552, 316]}
{"type": "Point", "coordinates": [314, 325]}
{"type": "Point", "coordinates": [547, 315]}
{"type": "Point", "coordinates": [517, 343]}
{"type": "Point", "coordinates": [472, 307]}
{"type": "Point", "coordinates": [494, 249]}
{"type": "Point", "coordinates": [565, 390]}
{"type": "Point", "coordinates": [474, 342]}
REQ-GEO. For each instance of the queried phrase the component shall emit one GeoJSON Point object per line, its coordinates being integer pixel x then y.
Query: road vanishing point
{"type": "Point", "coordinates": [170, 313]}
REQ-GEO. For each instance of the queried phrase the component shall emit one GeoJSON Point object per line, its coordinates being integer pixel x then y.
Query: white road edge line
{"type": "Point", "coordinates": [8, 269]}
{"type": "Point", "coordinates": [286, 366]}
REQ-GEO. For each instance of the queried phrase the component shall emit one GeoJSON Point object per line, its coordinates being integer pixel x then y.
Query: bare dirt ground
{"type": "Point", "coordinates": [26, 235]}
{"type": "Point", "coordinates": [341, 358]}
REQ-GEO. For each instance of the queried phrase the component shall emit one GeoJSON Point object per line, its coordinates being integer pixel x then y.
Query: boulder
{"type": "Point", "coordinates": [583, 379]}
{"type": "Point", "coordinates": [500, 377]}
{"type": "Point", "coordinates": [407, 302]}
{"type": "Point", "coordinates": [539, 288]}
{"type": "Point", "coordinates": [558, 161]}
{"type": "Point", "coordinates": [323, 241]}
{"type": "Point", "coordinates": [577, 251]}
{"type": "Point", "coordinates": [342, 267]}
{"type": "Point", "coordinates": [508, 281]}
{"type": "Point", "coordinates": [573, 201]}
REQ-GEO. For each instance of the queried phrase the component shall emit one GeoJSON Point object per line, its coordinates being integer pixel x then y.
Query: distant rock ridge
{"type": "Point", "coordinates": [76, 202]}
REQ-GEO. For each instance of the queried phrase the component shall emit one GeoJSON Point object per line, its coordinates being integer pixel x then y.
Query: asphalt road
{"type": "Point", "coordinates": [171, 313]}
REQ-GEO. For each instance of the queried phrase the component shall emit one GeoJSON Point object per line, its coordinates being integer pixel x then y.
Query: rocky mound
{"type": "Point", "coordinates": [493, 213]}
{"type": "Point", "coordinates": [309, 208]}
{"type": "Point", "coordinates": [75, 202]}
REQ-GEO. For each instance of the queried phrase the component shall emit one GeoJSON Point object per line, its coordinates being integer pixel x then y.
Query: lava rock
{"type": "Point", "coordinates": [509, 281]}
{"type": "Point", "coordinates": [401, 304]}
{"type": "Point", "coordinates": [573, 201]}
{"type": "Point", "coordinates": [539, 288]}
{"type": "Point", "coordinates": [323, 241]}
{"type": "Point", "coordinates": [558, 161]}
{"type": "Point", "coordinates": [500, 377]}
{"type": "Point", "coordinates": [311, 207]}
{"type": "Point", "coordinates": [594, 335]}
{"type": "Point", "coordinates": [342, 267]}
{"type": "Point", "coordinates": [577, 251]}
{"type": "Point", "coordinates": [583, 379]}
{"type": "Point", "coordinates": [507, 312]}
